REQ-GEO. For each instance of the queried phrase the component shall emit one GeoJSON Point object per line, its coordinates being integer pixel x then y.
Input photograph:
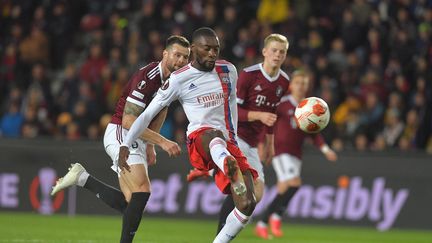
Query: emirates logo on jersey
{"type": "Point", "coordinates": [212, 99]}
{"type": "Point", "coordinates": [142, 84]}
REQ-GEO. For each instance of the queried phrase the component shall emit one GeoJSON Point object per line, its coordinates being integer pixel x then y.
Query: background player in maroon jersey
{"type": "Point", "coordinates": [259, 90]}
{"type": "Point", "coordinates": [134, 181]}
{"type": "Point", "coordinates": [288, 152]}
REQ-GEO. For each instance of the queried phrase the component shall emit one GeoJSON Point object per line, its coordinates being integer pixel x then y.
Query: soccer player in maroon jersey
{"type": "Point", "coordinates": [134, 182]}
{"type": "Point", "coordinates": [259, 90]}
{"type": "Point", "coordinates": [288, 140]}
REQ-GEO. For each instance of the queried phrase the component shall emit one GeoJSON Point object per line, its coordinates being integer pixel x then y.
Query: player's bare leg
{"type": "Point", "coordinates": [136, 188]}
{"type": "Point", "coordinates": [240, 215]}
{"type": "Point", "coordinates": [213, 143]}
{"type": "Point", "coordinates": [273, 215]}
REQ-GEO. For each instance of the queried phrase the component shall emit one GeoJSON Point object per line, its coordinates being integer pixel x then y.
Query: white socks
{"type": "Point", "coordinates": [218, 151]}
{"type": "Point", "coordinates": [82, 179]}
{"type": "Point", "coordinates": [235, 222]}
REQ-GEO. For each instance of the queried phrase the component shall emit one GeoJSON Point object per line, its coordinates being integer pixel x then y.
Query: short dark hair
{"type": "Point", "coordinates": [177, 39]}
{"type": "Point", "coordinates": [203, 31]}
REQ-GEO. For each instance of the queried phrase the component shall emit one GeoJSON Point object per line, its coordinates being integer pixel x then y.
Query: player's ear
{"type": "Point", "coordinates": [165, 54]}
{"type": "Point", "coordinates": [263, 52]}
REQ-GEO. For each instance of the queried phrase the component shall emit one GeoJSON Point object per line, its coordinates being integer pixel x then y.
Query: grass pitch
{"type": "Point", "coordinates": [34, 228]}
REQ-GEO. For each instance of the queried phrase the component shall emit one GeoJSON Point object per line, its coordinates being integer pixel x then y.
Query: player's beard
{"type": "Point", "coordinates": [172, 67]}
{"type": "Point", "coordinates": [206, 65]}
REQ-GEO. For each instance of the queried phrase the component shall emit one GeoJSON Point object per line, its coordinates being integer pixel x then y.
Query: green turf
{"type": "Point", "coordinates": [34, 228]}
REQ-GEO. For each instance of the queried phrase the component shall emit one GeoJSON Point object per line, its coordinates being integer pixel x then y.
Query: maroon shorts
{"type": "Point", "coordinates": [200, 160]}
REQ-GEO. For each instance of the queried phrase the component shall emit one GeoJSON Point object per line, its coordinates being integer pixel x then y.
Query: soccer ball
{"type": "Point", "coordinates": [312, 115]}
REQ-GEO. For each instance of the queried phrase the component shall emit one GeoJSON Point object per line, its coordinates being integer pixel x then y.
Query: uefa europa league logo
{"type": "Point", "coordinates": [47, 177]}
{"type": "Point", "coordinates": [40, 190]}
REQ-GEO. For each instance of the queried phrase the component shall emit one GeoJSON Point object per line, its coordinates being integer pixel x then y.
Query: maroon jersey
{"type": "Point", "coordinates": [288, 138]}
{"type": "Point", "coordinates": [256, 91]}
{"type": "Point", "coordinates": [140, 89]}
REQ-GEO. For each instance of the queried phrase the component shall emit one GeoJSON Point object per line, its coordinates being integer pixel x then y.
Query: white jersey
{"type": "Point", "coordinates": [208, 99]}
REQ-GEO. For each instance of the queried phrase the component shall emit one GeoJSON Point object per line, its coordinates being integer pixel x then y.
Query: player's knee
{"type": "Point", "coordinates": [145, 187]}
{"type": "Point", "coordinates": [212, 134]}
{"type": "Point", "coordinates": [127, 196]}
{"type": "Point", "coordinates": [247, 206]}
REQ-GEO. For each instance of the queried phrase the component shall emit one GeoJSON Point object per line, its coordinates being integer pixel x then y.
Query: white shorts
{"type": "Point", "coordinates": [114, 135]}
{"type": "Point", "coordinates": [286, 167]}
{"type": "Point", "coordinates": [252, 156]}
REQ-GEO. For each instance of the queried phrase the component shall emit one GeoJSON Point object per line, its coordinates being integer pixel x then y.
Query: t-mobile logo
{"type": "Point", "coordinates": [260, 100]}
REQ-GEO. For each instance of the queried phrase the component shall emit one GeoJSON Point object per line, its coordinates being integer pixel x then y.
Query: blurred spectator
{"type": "Point", "coordinates": [80, 119]}
{"type": "Point", "coordinates": [68, 92]}
{"type": "Point", "coordinates": [337, 57]}
{"type": "Point", "coordinates": [59, 30]}
{"type": "Point", "coordinates": [361, 142]}
{"type": "Point", "coordinates": [371, 115]}
{"type": "Point", "coordinates": [11, 121]}
{"type": "Point", "coordinates": [92, 67]}
{"type": "Point", "coordinates": [351, 32]}
{"type": "Point", "coordinates": [31, 127]}
{"type": "Point", "coordinates": [7, 69]}
{"type": "Point", "coordinates": [272, 11]}
{"type": "Point", "coordinates": [408, 136]}
{"type": "Point", "coordinates": [34, 48]}
{"type": "Point", "coordinates": [122, 77]}
{"type": "Point", "coordinates": [393, 127]}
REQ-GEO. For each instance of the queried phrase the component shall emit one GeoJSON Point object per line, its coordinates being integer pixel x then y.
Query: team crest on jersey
{"type": "Point", "coordinates": [165, 85]}
{"type": "Point", "coordinates": [224, 77]}
{"type": "Point", "coordinates": [279, 91]}
{"type": "Point", "coordinates": [141, 84]}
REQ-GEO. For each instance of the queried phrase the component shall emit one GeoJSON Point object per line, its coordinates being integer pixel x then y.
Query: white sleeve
{"type": "Point", "coordinates": [165, 95]}
{"type": "Point", "coordinates": [169, 92]}
{"type": "Point", "coordinates": [233, 99]}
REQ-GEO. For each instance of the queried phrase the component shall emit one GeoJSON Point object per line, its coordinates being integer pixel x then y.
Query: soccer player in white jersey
{"type": "Point", "coordinates": [259, 90]}
{"type": "Point", "coordinates": [134, 183]}
{"type": "Point", "coordinates": [206, 90]}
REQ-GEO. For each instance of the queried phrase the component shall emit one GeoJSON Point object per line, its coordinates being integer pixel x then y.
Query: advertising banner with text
{"type": "Point", "coordinates": [380, 190]}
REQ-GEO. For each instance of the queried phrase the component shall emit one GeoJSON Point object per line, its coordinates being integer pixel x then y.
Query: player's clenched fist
{"type": "Point", "coordinates": [172, 148]}
{"type": "Point", "coordinates": [123, 156]}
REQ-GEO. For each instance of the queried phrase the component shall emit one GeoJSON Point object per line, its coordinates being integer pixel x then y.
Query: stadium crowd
{"type": "Point", "coordinates": [64, 63]}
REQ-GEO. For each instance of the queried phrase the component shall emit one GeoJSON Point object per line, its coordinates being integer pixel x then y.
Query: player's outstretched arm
{"type": "Point", "coordinates": [130, 114]}
{"type": "Point", "coordinates": [137, 128]}
{"type": "Point", "coordinates": [155, 125]}
{"type": "Point", "coordinates": [325, 149]}
{"type": "Point", "coordinates": [329, 153]}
